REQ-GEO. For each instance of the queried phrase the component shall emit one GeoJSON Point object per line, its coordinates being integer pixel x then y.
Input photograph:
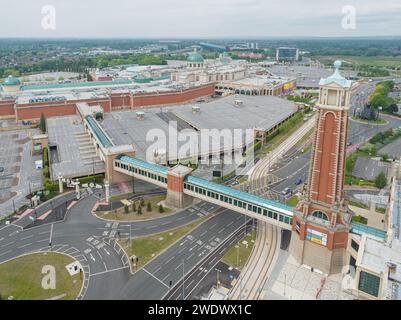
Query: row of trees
{"type": "Point", "coordinates": [81, 64]}
{"type": "Point", "coordinates": [380, 97]}
{"type": "Point", "coordinates": [140, 206]}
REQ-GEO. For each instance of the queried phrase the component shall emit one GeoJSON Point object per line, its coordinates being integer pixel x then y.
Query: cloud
{"type": "Point", "coordinates": [199, 18]}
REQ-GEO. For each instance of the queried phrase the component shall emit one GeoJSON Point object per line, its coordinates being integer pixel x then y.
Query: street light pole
{"type": "Point", "coordinates": [218, 282]}
{"type": "Point", "coordinates": [183, 280]}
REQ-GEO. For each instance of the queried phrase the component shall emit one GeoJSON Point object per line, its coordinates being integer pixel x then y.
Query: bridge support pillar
{"type": "Point", "coordinates": [60, 184]}
{"type": "Point", "coordinates": [107, 190]}
{"type": "Point", "coordinates": [175, 187]}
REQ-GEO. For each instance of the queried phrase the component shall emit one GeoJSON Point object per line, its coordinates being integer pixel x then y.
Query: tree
{"type": "Point", "coordinates": [381, 180]}
{"type": "Point", "coordinates": [139, 210]}
{"type": "Point", "coordinates": [161, 209]}
{"type": "Point", "coordinates": [149, 207]}
{"type": "Point", "coordinates": [42, 123]}
{"type": "Point", "coordinates": [125, 208]}
{"type": "Point", "coordinates": [142, 203]}
{"type": "Point", "coordinates": [133, 207]}
{"type": "Point", "coordinates": [385, 157]}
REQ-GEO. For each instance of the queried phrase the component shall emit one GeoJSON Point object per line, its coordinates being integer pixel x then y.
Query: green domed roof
{"type": "Point", "coordinates": [11, 81]}
{"type": "Point", "coordinates": [195, 57]}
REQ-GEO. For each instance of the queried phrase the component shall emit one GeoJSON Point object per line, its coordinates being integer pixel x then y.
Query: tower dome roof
{"type": "Point", "coordinates": [195, 57]}
{"type": "Point", "coordinates": [11, 81]}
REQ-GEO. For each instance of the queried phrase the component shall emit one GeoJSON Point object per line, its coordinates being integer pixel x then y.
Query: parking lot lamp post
{"type": "Point", "coordinates": [183, 280]}
{"type": "Point", "coordinates": [218, 281]}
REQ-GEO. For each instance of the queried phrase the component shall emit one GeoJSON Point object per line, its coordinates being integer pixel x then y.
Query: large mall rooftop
{"type": "Point", "coordinates": [232, 112]}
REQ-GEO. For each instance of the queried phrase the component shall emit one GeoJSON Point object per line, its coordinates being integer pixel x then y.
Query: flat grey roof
{"type": "Point", "coordinates": [257, 111]}
{"type": "Point", "coordinates": [62, 132]}
{"type": "Point", "coordinates": [306, 76]}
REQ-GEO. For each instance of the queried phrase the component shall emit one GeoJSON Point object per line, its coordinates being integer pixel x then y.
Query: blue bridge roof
{"type": "Point", "coordinates": [240, 195]}
{"type": "Point", "coordinates": [361, 229]}
{"type": "Point", "coordinates": [104, 140]}
{"type": "Point", "coordinates": [145, 165]}
{"type": "Point", "coordinates": [75, 84]}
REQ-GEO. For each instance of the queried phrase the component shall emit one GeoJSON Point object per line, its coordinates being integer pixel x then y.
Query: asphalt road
{"type": "Point", "coordinates": [200, 276]}
{"type": "Point", "coordinates": [92, 242]}
{"type": "Point", "coordinates": [153, 280]}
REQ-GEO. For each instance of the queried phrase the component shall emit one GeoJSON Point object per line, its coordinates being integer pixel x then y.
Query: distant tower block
{"type": "Point", "coordinates": [175, 187]}
{"type": "Point", "coordinates": [321, 219]}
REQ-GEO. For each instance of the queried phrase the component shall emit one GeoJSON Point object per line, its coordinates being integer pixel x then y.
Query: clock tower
{"type": "Point", "coordinates": [321, 219]}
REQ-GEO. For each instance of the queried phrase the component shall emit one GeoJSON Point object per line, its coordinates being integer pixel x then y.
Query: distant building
{"type": "Point", "coordinates": [11, 84]}
{"type": "Point", "coordinates": [287, 54]}
{"type": "Point", "coordinates": [212, 47]}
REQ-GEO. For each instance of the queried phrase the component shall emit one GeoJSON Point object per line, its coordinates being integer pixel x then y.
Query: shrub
{"type": "Point", "coordinates": [161, 208]}
{"type": "Point", "coordinates": [360, 219]}
{"type": "Point", "coordinates": [97, 177]}
{"type": "Point", "coordinates": [125, 208]}
{"type": "Point", "coordinates": [149, 207]}
{"type": "Point", "coordinates": [139, 210]}
{"type": "Point", "coordinates": [381, 180]}
{"type": "Point", "coordinates": [142, 203]}
{"type": "Point", "coordinates": [133, 207]}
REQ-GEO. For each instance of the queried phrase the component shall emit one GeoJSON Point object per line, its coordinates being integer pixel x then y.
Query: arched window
{"type": "Point", "coordinates": [320, 215]}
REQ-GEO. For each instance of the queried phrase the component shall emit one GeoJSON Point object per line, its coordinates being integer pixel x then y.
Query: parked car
{"type": "Point", "coordinates": [286, 191]}
{"type": "Point", "coordinates": [298, 182]}
{"type": "Point", "coordinates": [1, 169]}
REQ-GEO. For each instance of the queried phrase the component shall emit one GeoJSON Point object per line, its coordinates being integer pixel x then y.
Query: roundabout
{"type": "Point", "coordinates": [41, 276]}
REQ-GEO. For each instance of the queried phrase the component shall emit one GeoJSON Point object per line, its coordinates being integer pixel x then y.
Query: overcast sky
{"type": "Point", "coordinates": [199, 18]}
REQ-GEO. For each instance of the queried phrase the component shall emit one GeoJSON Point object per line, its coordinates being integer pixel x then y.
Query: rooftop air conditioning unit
{"type": "Point", "coordinates": [140, 115]}
{"type": "Point", "coordinates": [195, 109]}
{"type": "Point", "coordinates": [391, 266]}
{"type": "Point", "coordinates": [238, 103]}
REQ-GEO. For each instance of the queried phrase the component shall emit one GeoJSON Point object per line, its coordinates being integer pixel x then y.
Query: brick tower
{"type": "Point", "coordinates": [321, 219]}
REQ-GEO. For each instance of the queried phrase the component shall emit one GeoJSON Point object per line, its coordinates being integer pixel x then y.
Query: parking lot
{"type": "Point", "coordinates": [369, 168]}
{"type": "Point", "coordinates": [393, 149]}
{"type": "Point", "coordinates": [18, 174]}
{"type": "Point", "coordinates": [10, 159]}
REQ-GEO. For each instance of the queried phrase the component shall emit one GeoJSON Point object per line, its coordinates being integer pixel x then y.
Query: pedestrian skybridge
{"type": "Point", "coordinates": [224, 196]}
{"type": "Point", "coordinates": [251, 205]}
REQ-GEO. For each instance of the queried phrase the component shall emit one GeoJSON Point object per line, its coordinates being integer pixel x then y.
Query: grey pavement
{"type": "Point", "coordinates": [20, 177]}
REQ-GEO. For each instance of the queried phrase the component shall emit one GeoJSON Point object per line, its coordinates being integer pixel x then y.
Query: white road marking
{"type": "Point", "coordinates": [203, 233]}
{"type": "Point", "coordinates": [106, 251]}
{"type": "Point", "coordinates": [5, 252]}
{"type": "Point", "coordinates": [51, 234]}
{"type": "Point", "coordinates": [44, 232]}
{"type": "Point", "coordinates": [92, 257]}
{"type": "Point", "coordinates": [169, 260]}
{"type": "Point", "coordinates": [102, 272]}
{"type": "Point", "coordinates": [25, 245]}
{"type": "Point", "coordinates": [99, 255]}
{"type": "Point", "coordinates": [27, 237]}
{"type": "Point", "coordinates": [42, 240]}
{"type": "Point", "coordinates": [7, 244]}
{"type": "Point", "coordinates": [156, 278]}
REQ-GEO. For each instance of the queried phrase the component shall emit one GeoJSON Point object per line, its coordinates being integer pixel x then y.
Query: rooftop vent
{"type": "Point", "coordinates": [391, 266]}
{"type": "Point", "coordinates": [140, 115]}
{"type": "Point", "coordinates": [238, 103]}
{"type": "Point", "coordinates": [195, 109]}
